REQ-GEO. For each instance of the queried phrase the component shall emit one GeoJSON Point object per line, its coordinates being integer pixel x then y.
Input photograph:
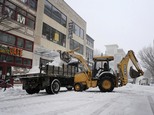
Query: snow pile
{"type": "Point", "coordinates": [14, 92]}
{"type": "Point", "coordinates": [34, 69]}
{"type": "Point", "coordinates": [57, 62]}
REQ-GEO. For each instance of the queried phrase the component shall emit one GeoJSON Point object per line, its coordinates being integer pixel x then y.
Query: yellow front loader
{"type": "Point", "coordinates": [105, 78]}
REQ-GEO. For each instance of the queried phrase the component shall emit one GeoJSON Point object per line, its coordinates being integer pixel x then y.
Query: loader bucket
{"type": "Point", "coordinates": [133, 73]}
{"type": "Point", "coordinates": [65, 57]}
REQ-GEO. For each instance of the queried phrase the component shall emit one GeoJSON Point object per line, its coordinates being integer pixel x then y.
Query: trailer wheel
{"type": "Point", "coordinates": [106, 84]}
{"type": "Point", "coordinates": [54, 87]}
{"type": "Point", "coordinates": [78, 87]}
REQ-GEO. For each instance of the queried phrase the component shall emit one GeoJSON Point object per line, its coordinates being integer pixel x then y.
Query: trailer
{"type": "Point", "coordinates": [50, 78]}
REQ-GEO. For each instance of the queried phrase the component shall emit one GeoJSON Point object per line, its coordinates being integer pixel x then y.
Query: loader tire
{"type": "Point", "coordinates": [78, 87]}
{"type": "Point", "coordinates": [54, 87]}
{"type": "Point", "coordinates": [106, 84]}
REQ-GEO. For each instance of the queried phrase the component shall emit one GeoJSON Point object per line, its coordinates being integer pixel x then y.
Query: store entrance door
{"type": "Point", "coordinates": [5, 76]}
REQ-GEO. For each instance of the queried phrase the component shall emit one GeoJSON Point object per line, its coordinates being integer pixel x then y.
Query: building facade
{"type": "Point", "coordinates": [31, 29]}
{"type": "Point", "coordinates": [115, 51]}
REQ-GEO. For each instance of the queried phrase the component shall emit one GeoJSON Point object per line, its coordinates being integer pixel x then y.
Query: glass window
{"type": "Point", "coordinates": [3, 37]}
{"type": "Point", "coordinates": [24, 1]}
{"type": "Point", "coordinates": [76, 30]}
{"type": "Point", "coordinates": [81, 33]}
{"type": "Point", "coordinates": [20, 42]}
{"type": "Point", "coordinates": [33, 4]}
{"type": "Point", "coordinates": [1, 1]}
{"type": "Point", "coordinates": [9, 58]}
{"type": "Point", "coordinates": [2, 57]}
{"type": "Point", "coordinates": [12, 6]}
{"type": "Point", "coordinates": [11, 40]}
{"type": "Point", "coordinates": [18, 60]}
{"type": "Point", "coordinates": [56, 15]}
{"type": "Point", "coordinates": [20, 11]}
{"type": "Point", "coordinates": [48, 8]}
{"type": "Point", "coordinates": [27, 62]}
{"type": "Point", "coordinates": [63, 20]}
{"type": "Point", "coordinates": [29, 45]}
{"type": "Point", "coordinates": [30, 23]}
{"type": "Point", "coordinates": [74, 44]}
{"type": "Point", "coordinates": [6, 38]}
{"type": "Point", "coordinates": [46, 31]}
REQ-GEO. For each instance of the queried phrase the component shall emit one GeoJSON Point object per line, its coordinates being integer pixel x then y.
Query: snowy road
{"type": "Point", "coordinates": [128, 100]}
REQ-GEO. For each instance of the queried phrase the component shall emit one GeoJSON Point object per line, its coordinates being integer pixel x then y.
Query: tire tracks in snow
{"type": "Point", "coordinates": [78, 107]}
{"type": "Point", "coordinates": [151, 102]}
{"type": "Point", "coordinates": [105, 106]}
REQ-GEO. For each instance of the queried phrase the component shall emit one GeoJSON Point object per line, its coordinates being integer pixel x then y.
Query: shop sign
{"type": "Point", "coordinates": [11, 50]}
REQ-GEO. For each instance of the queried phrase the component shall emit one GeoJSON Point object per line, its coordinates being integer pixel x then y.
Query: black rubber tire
{"type": "Point", "coordinates": [78, 87]}
{"type": "Point", "coordinates": [109, 88]}
{"type": "Point", "coordinates": [54, 87]}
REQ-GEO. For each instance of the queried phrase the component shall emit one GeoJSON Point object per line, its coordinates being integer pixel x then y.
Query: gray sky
{"type": "Point", "coordinates": [128, 23]}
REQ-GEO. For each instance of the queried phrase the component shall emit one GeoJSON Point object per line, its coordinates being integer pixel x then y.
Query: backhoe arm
{"type": "Point", "coordinates": [122, 67]}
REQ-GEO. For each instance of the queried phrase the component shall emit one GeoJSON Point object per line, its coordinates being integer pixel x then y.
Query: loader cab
{"type": "Point", "coordinates": [101, 63]}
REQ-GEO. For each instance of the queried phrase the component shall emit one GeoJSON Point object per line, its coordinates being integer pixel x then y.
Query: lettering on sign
{"type": "Point", "coordinates": [11, 50]}
{"type": "Point", "coordinates": [21, 19]}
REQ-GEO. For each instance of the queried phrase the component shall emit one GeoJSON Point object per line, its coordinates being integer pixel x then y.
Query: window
{"type": "Point", "coordinates": [54, 13]}
{"type": "Point", "coordinates": [12, 40]}
{"type": "Point", "coordinates": [89, 53]}
{"type": "Point", "coordinates": [2, 57]}
{"type": "Point", "coordinates": [74, 44]}
{"type": "Point", "coordinates": [46, 31]}
{"type": "Point", "coordinates": [9, 58]}
{"type": "Point", "coordinates": [30, 21]}
{"type": "Point", "coordinates": [7, 39]}
{"type": "Point", "coordinates": [18, 60]}
{"type": "Point", "coordinates": [28, 45]}
{"type": "Point", "coordinates": [31, 3]}
{"type": "Point", "coordinates": [78, 31]}
{"type": "Point", "coordinates": [81, 33]}
{"type": "Point", "coordinates": [48, 8]}
{"type": "Point", "coordinates": [63, 20]}
{"type": "Point", "coordinates": [20, 42]}
{"type": "Point", "coordinates": [27, 62]}
{"type": "Point", "coordinates": [54, 35]}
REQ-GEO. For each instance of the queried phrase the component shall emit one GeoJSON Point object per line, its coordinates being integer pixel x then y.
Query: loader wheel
{"type": "Point", "coordinates": [106, 84]}
{"type": "Point", "coordinates": [78, 87]}
{"type": "Point", "coordinates": [54, 87]}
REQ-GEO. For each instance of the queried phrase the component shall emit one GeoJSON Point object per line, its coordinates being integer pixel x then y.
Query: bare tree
{"type": "Point", "coordinates": [147, 59]}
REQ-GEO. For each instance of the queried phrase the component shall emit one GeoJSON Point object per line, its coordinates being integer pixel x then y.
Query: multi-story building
{"type": "Point", "coordinates": [118, 54]}
{"type": "Point", "coordinates": [31, 29]}
{"type": "Point", "coordinates": [89, 50]}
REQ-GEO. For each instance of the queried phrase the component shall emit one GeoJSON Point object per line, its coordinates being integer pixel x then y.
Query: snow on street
{"type": "Point", "coordinates": [128, 100]}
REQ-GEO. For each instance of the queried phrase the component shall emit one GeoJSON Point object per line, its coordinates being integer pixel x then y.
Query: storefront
{"type": "Point", "coordinates": [12, 60]}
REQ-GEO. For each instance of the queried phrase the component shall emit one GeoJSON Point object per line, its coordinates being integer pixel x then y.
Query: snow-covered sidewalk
{"type": "Point", "coordinates": [128, 100]}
